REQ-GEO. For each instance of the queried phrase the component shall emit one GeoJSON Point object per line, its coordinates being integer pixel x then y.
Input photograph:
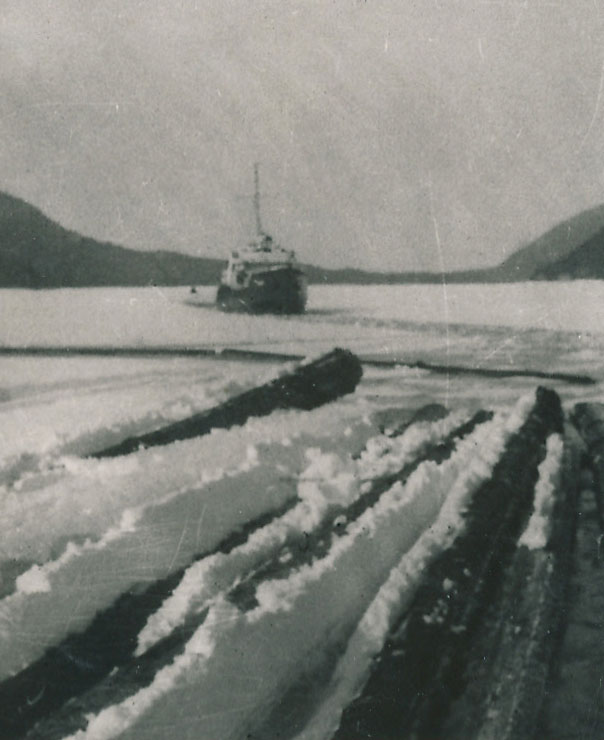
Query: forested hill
{"type": "Point", "coordinates": [36, 252]}
{"type": "Point", "coordinates": [584, 262]}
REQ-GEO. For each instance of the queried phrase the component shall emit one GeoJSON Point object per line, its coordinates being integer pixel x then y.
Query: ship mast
{"type": "Point", "coordinates": [257, 200]}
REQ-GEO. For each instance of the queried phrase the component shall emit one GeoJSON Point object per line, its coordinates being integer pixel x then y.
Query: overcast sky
{"type": "Point", "coordinates": [391, 134]}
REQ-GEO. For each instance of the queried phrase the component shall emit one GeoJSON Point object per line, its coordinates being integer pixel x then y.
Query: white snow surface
{"type": "Point", "coordinates": [538, 529]}
{"type": "Point", "coordinates": [77, 532]}
{"type": "Point", "coordinates": [168, 316]}
{"type": "Point", "coordinates": [377, 538]}
{"type": "Point", "coordinates": [473, 464]}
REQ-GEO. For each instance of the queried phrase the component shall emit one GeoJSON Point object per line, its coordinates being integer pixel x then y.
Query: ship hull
{"type": "Point", "coordinates": [280, 291]}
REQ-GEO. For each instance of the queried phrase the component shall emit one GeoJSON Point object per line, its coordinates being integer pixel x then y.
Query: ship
{"type": "Point", "coordinates": [262, 277]}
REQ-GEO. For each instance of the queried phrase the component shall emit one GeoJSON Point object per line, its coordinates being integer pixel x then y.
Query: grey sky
{"type": "Point", "coordinates": [391, 134]}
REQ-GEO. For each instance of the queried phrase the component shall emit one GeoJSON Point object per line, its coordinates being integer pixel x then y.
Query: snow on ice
{"type": "Point", "coordinates": [285, 620]}
{"type": "Point", "coordinates": [536, 534]}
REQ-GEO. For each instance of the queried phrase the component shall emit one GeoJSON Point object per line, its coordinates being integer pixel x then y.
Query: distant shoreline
{"type": "Point", "coordinates": [36, 252]}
